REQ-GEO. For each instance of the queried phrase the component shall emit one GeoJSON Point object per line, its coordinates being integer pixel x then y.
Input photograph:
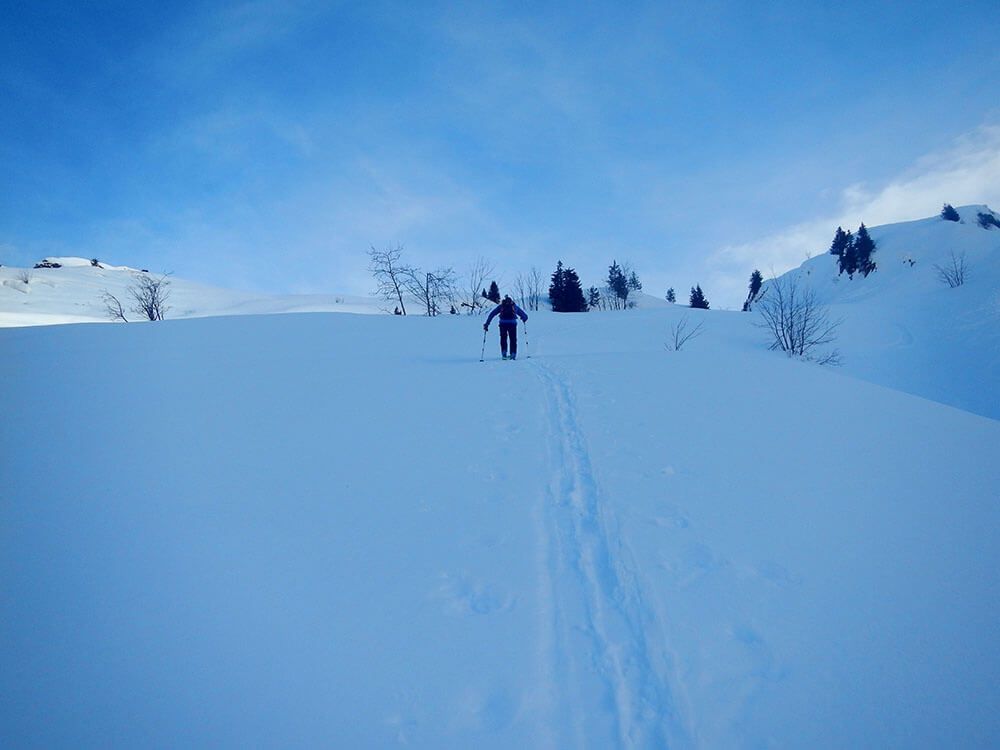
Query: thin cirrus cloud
{"type": "Point", "coordinates": [966, 173]}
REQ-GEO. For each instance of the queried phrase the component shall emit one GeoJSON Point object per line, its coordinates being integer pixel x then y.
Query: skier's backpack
{"type": "Point", "coordinates": [507, 310]}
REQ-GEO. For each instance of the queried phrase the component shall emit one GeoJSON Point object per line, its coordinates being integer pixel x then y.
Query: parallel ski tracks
{"type": "Point", "coordinates": [595, 601]}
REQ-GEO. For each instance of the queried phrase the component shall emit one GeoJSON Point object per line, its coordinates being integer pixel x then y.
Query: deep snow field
{"type": "Point", "coordinates": [340, 530]}
{"type": "Point", "coordinates": [329, 530]}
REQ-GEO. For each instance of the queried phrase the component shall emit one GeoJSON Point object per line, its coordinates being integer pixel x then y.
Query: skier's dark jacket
{"type": "Point", "coordinates": [515, 310]}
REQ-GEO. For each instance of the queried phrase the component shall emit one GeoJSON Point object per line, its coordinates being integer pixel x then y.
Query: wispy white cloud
{"type": "Point", "coordinates": [966, 173]}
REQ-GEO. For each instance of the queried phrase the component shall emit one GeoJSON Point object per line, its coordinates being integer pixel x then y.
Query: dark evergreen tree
{"type": "Point", "coordinates": [558, 287]}
{"type": "Point", "coordinates": [948, 213]}
{"type": "Point", "coordinates": [671, 296]}
{"type": "Point", "coordinates": [698, 298]}
{"type": "Point", "coordinates": [849, 259]}
{"type": "Point", "coordinates": [756, 282]}
{"type": "Point", "coordinates": [840, 242]}
{"type": "Point", "coordinates": [618, 285]}
{"type": "Point", "coordinates": [633, 282]}
{"type": "Point", "coordinates": [493, 295]}
{"type": "Point", "coordinates": [987, 220]}
{"type": "Point", "coordinates": [572, 299]}
{"type": "Point", "coordinates": [593, 298]}
{"type": "Point", "coordinates": [864, 246]}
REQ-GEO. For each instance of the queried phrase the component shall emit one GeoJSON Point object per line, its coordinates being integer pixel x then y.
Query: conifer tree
{"type": "Point", "coordinates": [558, 287]}
{"type": "Point", "coordinates": [756, 282]}
{"type": "Point", "coordinates": [493, 295]}
{"type": "Point", "coordinates": [698, 298]}
{"type": "Point", "coordinates": [618, 285]}
{"type": "Point", "coordinates": [671, 296]}
{"type": "Point", "coordinates": [849, 259]}
{"type": "Point", "coordinates": [864, 246]}
{"type": "Point", "coordinates": [572, 299]}
{"type": "Point", "coordinates": [593, 298]}
{"type": "Point", "coordinates": [840, 242]}
{"type": "Point", "coordinates": [948, 213]}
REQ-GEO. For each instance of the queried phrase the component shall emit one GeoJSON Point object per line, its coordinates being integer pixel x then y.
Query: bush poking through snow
{"type": "Point", "coordinates": [48, 264]}
{"type": "Point", "coordinates": [681, 333]}
{"type": "Point", "coordinates": [955, 272]}
{"type": "Point", "coordinates": [24, 277]}
{"type": "Point", "coordinates": [149, 295]}
{"type": "Point", "coordinates": [797, 323]}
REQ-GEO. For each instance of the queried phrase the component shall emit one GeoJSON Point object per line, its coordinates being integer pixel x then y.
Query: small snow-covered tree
{"type": "Point", "coordinates": [671, 295]}
{"type": "Point", "coordinates": [948, 213]}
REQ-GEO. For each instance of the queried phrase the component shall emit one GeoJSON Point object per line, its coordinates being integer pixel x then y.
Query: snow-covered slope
{"type": "Point", "coordinates": [73, 294]}
{"type": "Point", "coordinates": [341, 530]}
{"type": "Point", "coordinates": [905, 328]}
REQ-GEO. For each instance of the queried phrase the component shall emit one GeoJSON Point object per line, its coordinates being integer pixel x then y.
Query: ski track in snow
{"type": "Point", "coordinates": [593, 592]}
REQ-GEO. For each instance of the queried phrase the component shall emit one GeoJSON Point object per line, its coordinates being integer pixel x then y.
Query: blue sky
{"type": "Point", "coordinates": [265, 145]}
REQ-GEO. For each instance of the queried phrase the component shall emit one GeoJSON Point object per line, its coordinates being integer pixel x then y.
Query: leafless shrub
{"type": "Point", "coordinates": [24, 277]}
{"type": "Point", "coordinates": [536, 287]}
{"type": "Point", "coordinates": [955, 272]}
{"type": "Point", "coordinates": [150, 294]}
{"type": "Point", "coordinates": [681, 333]}
{"type": "Point", "coordinates": [390, 274]}
{"type": "Point", "coordinates": [113, 307]}
{"type": "Point", "coordinates": [475, 282]}
{"type": "Point", "coordinates": [796, 322]}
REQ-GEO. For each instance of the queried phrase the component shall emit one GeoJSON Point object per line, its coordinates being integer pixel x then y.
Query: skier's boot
{"type": "Point", "coordinates": [504, 354]}
{"type": "Point", "coordinates": [513, 355]}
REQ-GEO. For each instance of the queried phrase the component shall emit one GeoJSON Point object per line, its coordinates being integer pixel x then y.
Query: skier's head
{"type": "Point", "coordinates": [506, 298]}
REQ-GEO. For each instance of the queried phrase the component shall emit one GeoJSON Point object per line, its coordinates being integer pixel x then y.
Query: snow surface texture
{"type": "Point", "coordinates": [345, 530]}
{"type": "Point", "coordinates": [341, 530]}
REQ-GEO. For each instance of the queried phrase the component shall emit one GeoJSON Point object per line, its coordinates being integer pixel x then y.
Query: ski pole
{"type": "Point", "coordinates": [527, 349]}
{"type": "Point", "coordinates": [482, 355]}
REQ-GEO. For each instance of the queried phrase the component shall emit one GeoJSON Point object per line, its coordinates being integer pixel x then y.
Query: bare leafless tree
{"type": "Point", "coordinates": [954, 273]}
{"type": "Point", "coordinates": [113, 306]}
{"type": "Point", "coordinates": [390, 273]}
{"type": "Point", "coordinates": [797, 323]}
{"type": "Point", "coordinates": [149, 294]}
{"type": "Point", "coordinates": [475, 283]}
{"type": "Point", "coordinates": [536, 287]}
{"type": "Point", "coordinates": [24, 277]}
{"type": "Point", "coordinates": [682, 332]}
{"type": "Point", "coordinates": [434, 290]}
{"type": "Point", "coordinates": [522, 291]}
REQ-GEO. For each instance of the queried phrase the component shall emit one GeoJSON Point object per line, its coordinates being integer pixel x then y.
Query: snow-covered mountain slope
{"type": "Point", "coordinates": [904, 327]}
{"type": "Point", "coordinates": [342, 530]}
{"type": "Point", "coordinates": [74, 292]}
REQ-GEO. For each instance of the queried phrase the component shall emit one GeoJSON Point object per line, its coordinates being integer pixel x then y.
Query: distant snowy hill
{"type": "Point", "coordinates": [906, 328]}
{"type": "Point", "coordinates": [73, 294]}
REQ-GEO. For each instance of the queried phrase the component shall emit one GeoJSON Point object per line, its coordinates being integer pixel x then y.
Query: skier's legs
{"type": "Point", "coordinates": [508, 333]}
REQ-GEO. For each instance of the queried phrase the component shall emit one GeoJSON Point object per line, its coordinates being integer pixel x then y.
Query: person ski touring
{"type": "Point", "coordinates": [509, 312]}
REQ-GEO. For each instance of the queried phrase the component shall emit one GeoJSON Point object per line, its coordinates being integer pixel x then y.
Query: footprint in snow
{"type": "Point", "coordinates": [464, 596]}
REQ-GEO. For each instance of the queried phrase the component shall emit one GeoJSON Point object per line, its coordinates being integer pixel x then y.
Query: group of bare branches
{"type": "Point", "coordinates": [797, 323]}
{"type": "Point", "coordinates": [147, 296]}
{"type": "Point", "coordinates": [442, 290]}
{"type": "Point", "coordinates": [955, 272]}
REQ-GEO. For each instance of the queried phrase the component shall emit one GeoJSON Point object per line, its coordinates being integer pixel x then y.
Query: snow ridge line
{"type": "Point", "coordinates": [615, 616]}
